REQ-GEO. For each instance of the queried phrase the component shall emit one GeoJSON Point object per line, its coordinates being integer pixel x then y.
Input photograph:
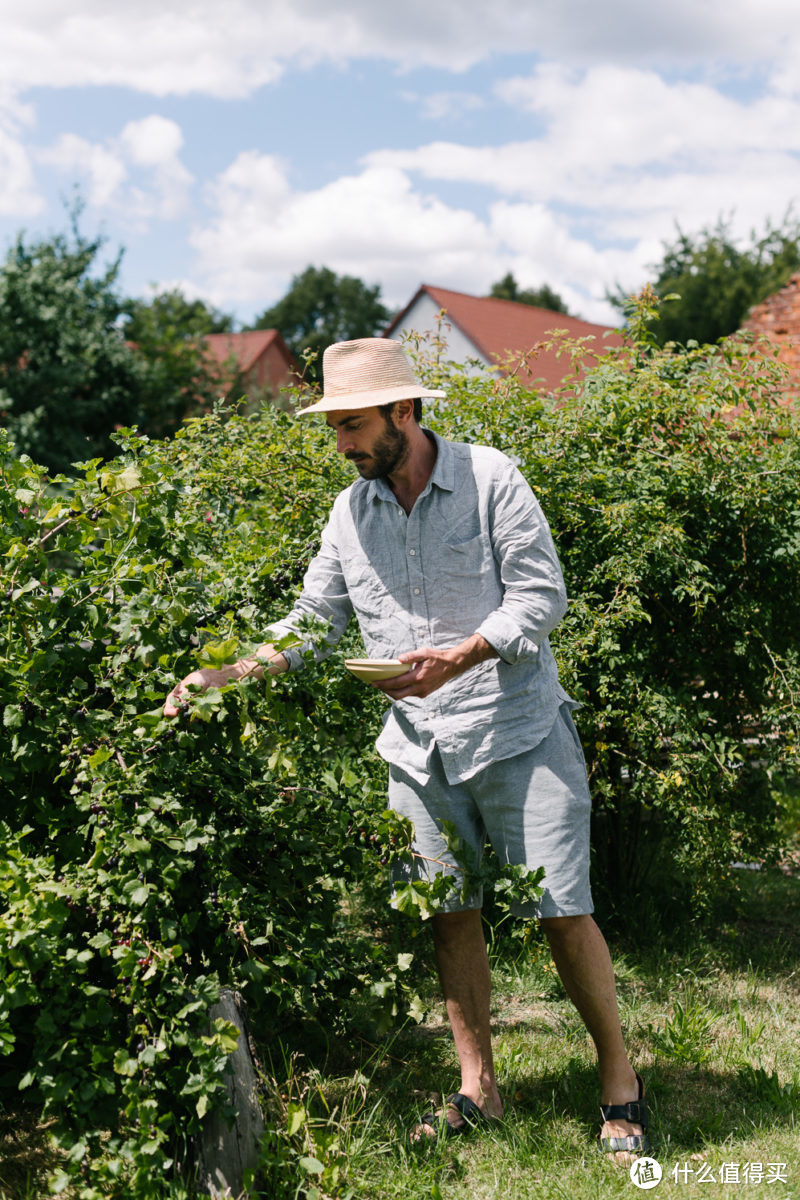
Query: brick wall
{"type": "Point", "coordinates": [778, 319]}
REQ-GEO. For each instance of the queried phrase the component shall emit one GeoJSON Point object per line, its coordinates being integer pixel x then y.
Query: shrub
{"type": "Point", "coordinates": [671, 481]}
{"type": "Point", "coordinates": [147, 863]}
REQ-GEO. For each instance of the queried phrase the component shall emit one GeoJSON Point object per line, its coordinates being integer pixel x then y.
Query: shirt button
{"type": "Point", "coordinates": [416, 591]}
{"type": "Point", "coordinates": [412, 552]}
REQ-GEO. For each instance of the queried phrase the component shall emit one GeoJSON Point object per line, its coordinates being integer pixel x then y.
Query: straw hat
{"type": "Point", "coordinates": [365, 373]}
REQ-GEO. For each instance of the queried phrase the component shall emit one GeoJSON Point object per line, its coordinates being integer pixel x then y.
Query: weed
{"type": "Point", "coordinates": [685, 1036]}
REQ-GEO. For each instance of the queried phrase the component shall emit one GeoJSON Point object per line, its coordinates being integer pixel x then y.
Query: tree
{"type": "Point", "coordinates": [321, 307]}
{"type": "Point", "coordinates": [716, 281]}
{"type": "Point", "coordinates": [173, 317]}
{"type": "Point", "coordinates": [67, 378]}
{"type": "Point", "coordinates": [507, 288]}
{"type": "Point", "coordinates": [179, 377]}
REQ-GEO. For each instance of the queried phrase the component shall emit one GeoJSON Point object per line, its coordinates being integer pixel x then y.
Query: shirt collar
{"type": "Point", "coordinates": [443, 474]}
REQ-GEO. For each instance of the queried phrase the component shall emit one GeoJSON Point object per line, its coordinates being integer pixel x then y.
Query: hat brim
{"type": "Point", "coordinates": [370, 399]}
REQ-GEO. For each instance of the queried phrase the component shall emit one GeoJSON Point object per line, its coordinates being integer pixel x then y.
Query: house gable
{"type": "Point", "coordinates": [260, 356]}
{"type": "Point", "coordinates": [498, 332]}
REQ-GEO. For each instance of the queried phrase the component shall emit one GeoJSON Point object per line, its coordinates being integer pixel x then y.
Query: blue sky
{"type": "Point", "coordinates": [228, 145]}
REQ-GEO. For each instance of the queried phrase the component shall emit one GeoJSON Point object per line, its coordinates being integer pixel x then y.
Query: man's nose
{"type": "Point", "coordinates": [344, 441]}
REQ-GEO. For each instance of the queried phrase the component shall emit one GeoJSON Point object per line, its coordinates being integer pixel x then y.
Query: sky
{"type": "Point", "coordinates": [227, 145]}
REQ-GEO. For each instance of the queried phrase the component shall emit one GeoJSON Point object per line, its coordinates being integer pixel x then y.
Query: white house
{"type": "Point", "coordinates": [499, 333]}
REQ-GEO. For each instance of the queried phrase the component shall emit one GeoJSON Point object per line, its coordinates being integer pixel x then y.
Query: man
{"type": "Point", "coordinates": [443, 553]}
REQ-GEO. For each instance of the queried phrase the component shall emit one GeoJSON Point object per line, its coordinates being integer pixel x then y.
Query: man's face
{"type": "Point", "coordinates": [370, 440]}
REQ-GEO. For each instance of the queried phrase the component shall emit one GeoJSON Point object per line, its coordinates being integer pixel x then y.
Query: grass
{"type": "Point", "coordinates": [713, 1024]}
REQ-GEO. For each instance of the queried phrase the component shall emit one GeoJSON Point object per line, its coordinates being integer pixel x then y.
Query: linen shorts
{"type": "Point", "coordinates": [534, 808]}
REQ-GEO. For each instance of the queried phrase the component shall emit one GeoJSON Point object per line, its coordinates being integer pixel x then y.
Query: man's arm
{"type": "Point", "coordinates": [534, 598]}
{"type": "Point", "coordinates": [430, 668]}
{"type": "Point", "coordinates": [266, 660]}
{"type": "Point", "coordinates": [324, 596]}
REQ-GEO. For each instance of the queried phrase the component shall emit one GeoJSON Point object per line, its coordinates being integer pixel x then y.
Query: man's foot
{"type": "Point", "coordinates": [459, 1115]}
{"type": "Point", "coordinates": [624, 1134]}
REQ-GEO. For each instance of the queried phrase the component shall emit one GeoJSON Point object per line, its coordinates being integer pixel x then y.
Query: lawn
{"type": "Point", "coordinates": [712, 1024]}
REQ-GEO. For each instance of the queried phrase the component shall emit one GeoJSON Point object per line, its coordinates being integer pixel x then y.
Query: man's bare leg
{"type": "Point", "coordinates": [582, 960]}
{"type": "Point", "coordinates": [463, 966]}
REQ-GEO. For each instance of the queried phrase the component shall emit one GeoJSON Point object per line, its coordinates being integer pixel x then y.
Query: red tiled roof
{"type": "Point", "coordinates": [244, 348]}
{"type": "Point", "coordinates": [500, 329]}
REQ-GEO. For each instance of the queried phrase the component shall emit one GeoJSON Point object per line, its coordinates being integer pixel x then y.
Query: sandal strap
{"type": "Point", "coordinates": [468, 1108]}
{"type": "Point", "coordinates": [434, 1121]}
{"type": "Point", "coordinates": [634, 1141]}
{"type": "Point", "coordinates": [635, 1111]}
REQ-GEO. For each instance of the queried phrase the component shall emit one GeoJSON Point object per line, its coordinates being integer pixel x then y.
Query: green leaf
{"type": "Point", "coordinates": [312, 1165]}
{"type": "Point", "coordinates": [124, 1064]}
{"type": "Point", "coordinates": [120, 481]}
{"type": "Point", "coordinates": [100, 756]}
{"type": "Point", "coordinates": [296, 1118]}
{"type": "Point", "coordinates": [13, 716]}
{"type": "Point", "coordinates": [30, 586]}
{"type": "Point", "coordinates": [218, 654]}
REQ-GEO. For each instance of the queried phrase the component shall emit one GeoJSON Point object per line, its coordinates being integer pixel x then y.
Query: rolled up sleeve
{"type": "Point", "coordinates": [534, 596]}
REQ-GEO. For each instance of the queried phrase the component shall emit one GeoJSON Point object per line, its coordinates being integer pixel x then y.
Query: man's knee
{"type": "Point", "coordinates": [562, 930]}
{"type": "Point", "coordinates": [453, 928]}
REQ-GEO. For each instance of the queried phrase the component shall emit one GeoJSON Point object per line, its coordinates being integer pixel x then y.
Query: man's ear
{"type": "Point", "coordinates": [402, 412]}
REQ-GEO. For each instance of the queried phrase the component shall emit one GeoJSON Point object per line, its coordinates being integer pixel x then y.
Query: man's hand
{"type": "Point", "coordinates": [429, 668]}
{"type": "Point", "coordinates": [266, 658]}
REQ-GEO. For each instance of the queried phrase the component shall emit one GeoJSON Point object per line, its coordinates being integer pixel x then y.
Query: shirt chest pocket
{"type": "Point", "coordinates": [465, 570]}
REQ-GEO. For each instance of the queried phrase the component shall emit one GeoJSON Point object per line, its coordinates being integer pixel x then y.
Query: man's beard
{"type": "Point", "coordinates": [388, 452]}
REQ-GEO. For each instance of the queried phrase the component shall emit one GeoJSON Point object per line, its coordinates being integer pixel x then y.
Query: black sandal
{"type": "Point", "coordinates": [635, 1111]}
{"type": "Point", "coordinates": [473, 1116]}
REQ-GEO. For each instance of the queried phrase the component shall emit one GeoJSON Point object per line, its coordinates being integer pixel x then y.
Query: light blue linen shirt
{"type": "Point", "coordinates": [474, 555]}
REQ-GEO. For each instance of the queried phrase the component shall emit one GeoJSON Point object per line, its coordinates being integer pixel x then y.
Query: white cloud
{"type": "Point", "coordinates": [626, 154]}
{"type": "Point", "coordinates": [629, 115]}
{"type": "Point", "coordinates": [18, 193]}
{"type": "Point", "coordinates": [616, 150]}
{"type": "Point", "coordinates": [137, 174]}
{"type": "Point", "coordinates": [76, 157]}
{"type": "Point", "coordinates": [154, 143]}
{"type": "Point", "coordinates": [231, 49]}
{"type": "Point", "coordinates": [541, 247]}
{"type": "Point", "coordinates": [378, 227]}
{"type": "Point", "coordinates": [447, 107]}
{"type": "Point", "coordinates": [373, 225]}
{"type": "Point", "coordinates": [608, 124]}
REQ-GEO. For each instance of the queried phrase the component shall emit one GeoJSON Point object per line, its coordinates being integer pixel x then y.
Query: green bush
{"type": "Point", "coordinates": [143, 863]}
{"type": "Point", "coordinates": [146, 864]}
{"type": "Point", "coordinates": [671, 480]}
